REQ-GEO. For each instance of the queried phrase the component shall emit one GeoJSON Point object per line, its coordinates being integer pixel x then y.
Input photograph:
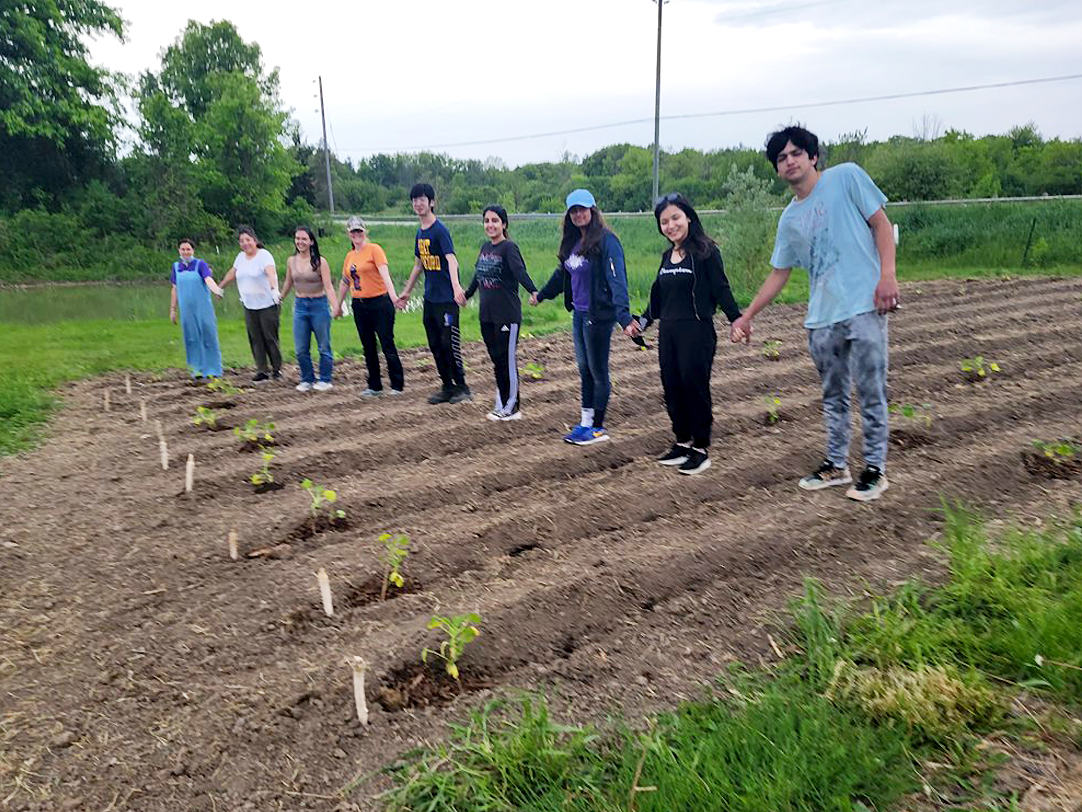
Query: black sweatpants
{"type": "Point", "coordinates": [441, 327]}
{"type": "Point", "coordinates": [374, 316]}
{"type": "Point", "coordinates": [686, 356]}
{"type": "Point", "coordinates": [262, 328]}
{"type": "Point", "coordinates": [502, 343]}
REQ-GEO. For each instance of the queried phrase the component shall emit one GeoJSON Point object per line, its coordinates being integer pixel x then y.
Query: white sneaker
{"type": "Point", "coordinates": [511, 416]}
{"type": "Point", "coordinates": [494, 415]}
{"type": "Point", "coordinates": [322, 386]}
{"type": "Point", "coordinates": [303, 386]}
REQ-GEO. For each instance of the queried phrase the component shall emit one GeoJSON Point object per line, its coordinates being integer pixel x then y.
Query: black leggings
{"type": "Point", "coordinates": [686, 350]}
{"type": "Point", "coordinates": [374, 317]}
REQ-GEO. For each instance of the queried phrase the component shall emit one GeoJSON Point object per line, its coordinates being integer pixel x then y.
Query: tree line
{"type": "Point", "coordinates": [201, 142]}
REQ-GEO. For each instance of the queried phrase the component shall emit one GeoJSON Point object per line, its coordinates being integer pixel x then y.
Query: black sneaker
{"type": "Point", "coordinates": [460, 394]}
{"type": "Point", "coordinates": [441, 395]}
{"type": "Point", "coordinates": [696, 463]}
{"type": "Point", "coordinates": [677, 455]}
{"type": "Point", "coordinates": [259, 377]}
{"type": "Point", "coordinates": [277, 375]}
{"type": "Point", "coordinates": [870, 485]}
{"type": "Point", "coordinates": [825, 476]}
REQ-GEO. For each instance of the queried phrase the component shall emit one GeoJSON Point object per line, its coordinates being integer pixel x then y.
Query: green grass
{"type": "Point", "coordinates": [871, 707]}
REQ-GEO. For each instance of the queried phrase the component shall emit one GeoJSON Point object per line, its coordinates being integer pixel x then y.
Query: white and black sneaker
{"type": "Point", "coordinates": [825, 476]}
{"type": "Point", "coordinates": [697, 462]}
{"type": "Point", "coordinates": [677, 455]}
{"type": "Point", "coordinates": [495, 414]}
{"type": "Point", "coordinates": [870, 485]}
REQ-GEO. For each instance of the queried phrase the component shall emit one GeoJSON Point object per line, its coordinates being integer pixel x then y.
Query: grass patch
{"type": "Point", "coordinates": [870, 709]}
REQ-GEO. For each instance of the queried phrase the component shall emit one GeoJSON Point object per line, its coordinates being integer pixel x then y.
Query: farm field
{"type": "Point", "coordinates": [141, 668]}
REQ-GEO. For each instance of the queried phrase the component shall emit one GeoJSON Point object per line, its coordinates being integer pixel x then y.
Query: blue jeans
{"type": "Point", "coordinates": [853, 349]}
{"type": "Point", "coordinates": [312, 316]}
{"type": "Point", "coordinates": [592, 340]}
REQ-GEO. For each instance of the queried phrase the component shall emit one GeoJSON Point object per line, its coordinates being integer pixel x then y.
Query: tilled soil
{"type": "Point", "coordinates": [141, 668]}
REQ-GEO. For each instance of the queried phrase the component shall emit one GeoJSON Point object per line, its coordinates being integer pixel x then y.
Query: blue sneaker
{"type": "Point", "coordinates": [577, 434]}
{"type": "Point", "coordinates": [589, 436]}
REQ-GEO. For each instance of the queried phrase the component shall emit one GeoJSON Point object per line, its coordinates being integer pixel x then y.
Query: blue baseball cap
{"type": "Point", "coordinates": [581, 197]}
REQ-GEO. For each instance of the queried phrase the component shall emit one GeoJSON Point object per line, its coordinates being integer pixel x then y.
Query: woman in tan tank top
{"type": "Point", "coordinates": [308, 274]}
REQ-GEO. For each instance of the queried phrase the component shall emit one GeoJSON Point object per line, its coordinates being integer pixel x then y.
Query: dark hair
{"type": "Point", "coordinates": [698, 242]}
{"type": "Point", "coordinates": [423, 190]}
{"type": "Point", "coordinates": [251, 233]}
{"type": "Point", "coordinates": [595, 233]}
{"type": "Point", "coordinates": [188, 240]}
{"type": "Point", "coordinates": [500, 212]}
{"type": "Point", "coordinates": [801, 138]}
{"type": "Point", "coordinates": [313, 251]}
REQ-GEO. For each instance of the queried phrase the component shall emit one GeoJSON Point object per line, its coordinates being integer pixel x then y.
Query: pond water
{"type": "Point", "coordinates": [48, 304]}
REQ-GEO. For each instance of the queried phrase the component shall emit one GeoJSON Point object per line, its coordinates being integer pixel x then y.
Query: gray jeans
{"type": "Point", "coordinates": [853, 349]}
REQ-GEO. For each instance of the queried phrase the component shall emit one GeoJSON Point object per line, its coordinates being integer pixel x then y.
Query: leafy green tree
{"type": "Point", "coordinates": [58, 113]}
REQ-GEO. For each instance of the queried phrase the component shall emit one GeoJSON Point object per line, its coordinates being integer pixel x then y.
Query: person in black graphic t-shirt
{"type": "Point", "coordinates": [499, 271]}
{"type": "Point", "coordinates": [690, 285]}
{"type": "Point", "coordinates": [435, 254]}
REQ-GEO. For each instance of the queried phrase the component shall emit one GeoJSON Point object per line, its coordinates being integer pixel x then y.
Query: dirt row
{"type": "Point", "coordinates": [141, 667]}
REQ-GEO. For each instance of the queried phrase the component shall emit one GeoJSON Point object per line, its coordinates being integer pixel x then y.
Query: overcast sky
{"type": "Point", "coordinates": [431, 74]}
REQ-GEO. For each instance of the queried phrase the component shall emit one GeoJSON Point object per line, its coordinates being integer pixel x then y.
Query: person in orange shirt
{"type": "Point", "coordinates": [365, 273]}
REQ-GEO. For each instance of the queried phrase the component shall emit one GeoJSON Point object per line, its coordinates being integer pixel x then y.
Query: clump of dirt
{"type": "Point", "coordinates": [314, 525]}
{"type": "Point", "coordinates": [1057, 467]}
{"type": "Point", "coordinates": [905, 438]}
{"type": "Point", "coordinates": [268, 487]}
{"type": "Point", "coordinates": [420, 685]}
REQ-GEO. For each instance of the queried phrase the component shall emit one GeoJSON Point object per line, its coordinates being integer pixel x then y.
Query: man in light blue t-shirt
{"type": "Point", "coordinates": [835, 228]}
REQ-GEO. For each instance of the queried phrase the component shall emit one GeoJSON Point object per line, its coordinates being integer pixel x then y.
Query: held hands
{"type": "Point", "coordinates": [460, 296]}
{"type": "Point", "coordinates": [740, 330]}
{"type": "Point", "coordinates": [534, 301]}
{"type": "Point", "coordinates": [402, 300]}
{"type": "Point", "coordinates": [887, 296]}
{"type": "Point", "coordinates": [633, 330]}
{"type": "Point", "coordinates": [173, 316]}
{"type": "Point", "coordinates": [277, 296]}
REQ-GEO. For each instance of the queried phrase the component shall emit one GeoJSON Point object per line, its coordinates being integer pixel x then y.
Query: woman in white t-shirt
{"type": "Point", "coordinates": [257, 283]}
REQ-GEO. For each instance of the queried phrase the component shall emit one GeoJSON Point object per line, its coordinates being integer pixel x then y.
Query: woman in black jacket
{"type": "Point", "coordinates": [690, 286]}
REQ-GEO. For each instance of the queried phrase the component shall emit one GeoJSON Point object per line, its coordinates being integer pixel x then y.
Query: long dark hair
{"type": "Point", "coordinates": [595, 233]}
{"type": "Point", "coordinates": [500, 212]}
{"type": "Point", "coordinates": [698, 242]}
{"type": "Point", "coordinates": [313, 251]}
{"type": "Point", "coordinates": [251, 233]}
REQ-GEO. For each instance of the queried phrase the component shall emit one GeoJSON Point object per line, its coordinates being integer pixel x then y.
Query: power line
{"type": "Point", "coordinates": [744, 111]}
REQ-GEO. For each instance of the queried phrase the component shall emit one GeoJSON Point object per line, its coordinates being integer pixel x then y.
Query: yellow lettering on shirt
{"type": "Point", "coordinates": [429, 261]}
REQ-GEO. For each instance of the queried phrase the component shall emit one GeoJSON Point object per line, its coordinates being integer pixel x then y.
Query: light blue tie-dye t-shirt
{"type": "Point", "coordinates": [827, 234]}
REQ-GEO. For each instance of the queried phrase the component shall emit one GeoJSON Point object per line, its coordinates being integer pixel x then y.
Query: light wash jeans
{"type": "Point", "coordinates": [312, 316]}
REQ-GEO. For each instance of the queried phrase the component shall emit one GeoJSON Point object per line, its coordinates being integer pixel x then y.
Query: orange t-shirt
{"type": "Point", "coordinates": [360, 271]}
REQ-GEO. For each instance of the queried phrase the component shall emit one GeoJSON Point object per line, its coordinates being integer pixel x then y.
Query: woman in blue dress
{"type": "Point", "coordinates": [192, 285]}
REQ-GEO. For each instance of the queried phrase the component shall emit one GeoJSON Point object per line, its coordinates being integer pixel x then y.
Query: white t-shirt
{"type": "Point", "coordinates": [252, 282]}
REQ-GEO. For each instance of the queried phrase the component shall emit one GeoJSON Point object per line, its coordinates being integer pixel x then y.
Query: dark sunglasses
{"type": "Point", "coordinates": [671, 197]}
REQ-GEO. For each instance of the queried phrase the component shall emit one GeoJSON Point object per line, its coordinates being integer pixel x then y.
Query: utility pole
{"type": "Point", "coordinates": [657, 100]}
{"type": "Point", "coordinates": [327, 151]}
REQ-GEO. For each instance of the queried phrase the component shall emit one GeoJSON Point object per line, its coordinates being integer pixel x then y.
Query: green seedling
{"type": "Point", "coordinates": [534, 370]}
{"type": "Point", "coordinates": [205, 417]}
{"type": "Point", "coordinates": [977, 369]}
{"type": "Point", "coordinates": [919, 413]}
{"type": "Point", "coordinates": [1060, 452]}
{"type": "Point", "coordinates": [460, 630]}
{"type": "Point", "coordinates": [322, 499]}
{"type": "Point", "coordinates": [255, 432]}
{"type": "Point", "coordinates": [772, 349]}
{"type": "Point", "coordinates": [395, 550]}
{"type": "Point", "coordinates": [222, 386]}
{"type": "Point", "coordinates": [773, 404]}
{"type": "Point", "coordinates": [263, 476]}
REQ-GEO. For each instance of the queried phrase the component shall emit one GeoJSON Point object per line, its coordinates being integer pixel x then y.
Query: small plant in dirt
{"type": "Point", "coordinates": [255, 433]}
{"type": "Point", "coordinates": [322, 499]}
{"type": "Point", "coordinates": [222, 387]}
{"type": "Point", "coordinates": [1061, 451]}
{"type": "Point", "coordinates": [205, 417]}
{"type": "Point", "coordinates": [773, 404]}
{"type": "Point", "coordinates": [263, 476]}
{"type": "Point", "coordinates": [394, 552]}
{"type": "Point", "coordinates": [977, 369]}
{"type": "Point", "coordinates": [917, 413]}
{"type": "Point", "coordinates": [772, 349]}
{"type": "Point", "coordinates": [460, 630]}
{"type": "Point", "coordinates": [534, 370]}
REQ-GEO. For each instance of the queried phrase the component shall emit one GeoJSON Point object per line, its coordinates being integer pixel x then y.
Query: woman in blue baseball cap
{"type": "Point", "coordinates": [593, 279]}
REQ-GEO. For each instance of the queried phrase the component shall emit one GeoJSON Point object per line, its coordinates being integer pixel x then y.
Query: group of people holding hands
{"type": "Point", "coordinates": [835, 228]}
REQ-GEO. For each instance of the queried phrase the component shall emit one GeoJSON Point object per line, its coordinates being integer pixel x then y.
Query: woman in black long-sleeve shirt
{"type": "Point", "coordinates": [690, 285]}
{"type": "Point", "coordinates": [499, 271]}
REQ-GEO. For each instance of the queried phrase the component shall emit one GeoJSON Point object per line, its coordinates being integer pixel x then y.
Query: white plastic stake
{"type": "Point", "coordinates": [143, 410]}
{"type": "Point", "coordinates": [233, 553]}
{"type": "Point", "coordinates": [325, 591]}
{"type": "Point", "coordinates": [359, 665]}
{"type": "Point", "coordinates": [127, 384]}
{"type": "Point", "coordinates": [189, 474]}
{"type": "Point", "coordinates": [165, 454]}
{"type": "Point", "coordinates": [158, 428]}
{"type": "Point", "coordinates": [895, 233]}
{"type": "Point", "coordinates": [105, 400]}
